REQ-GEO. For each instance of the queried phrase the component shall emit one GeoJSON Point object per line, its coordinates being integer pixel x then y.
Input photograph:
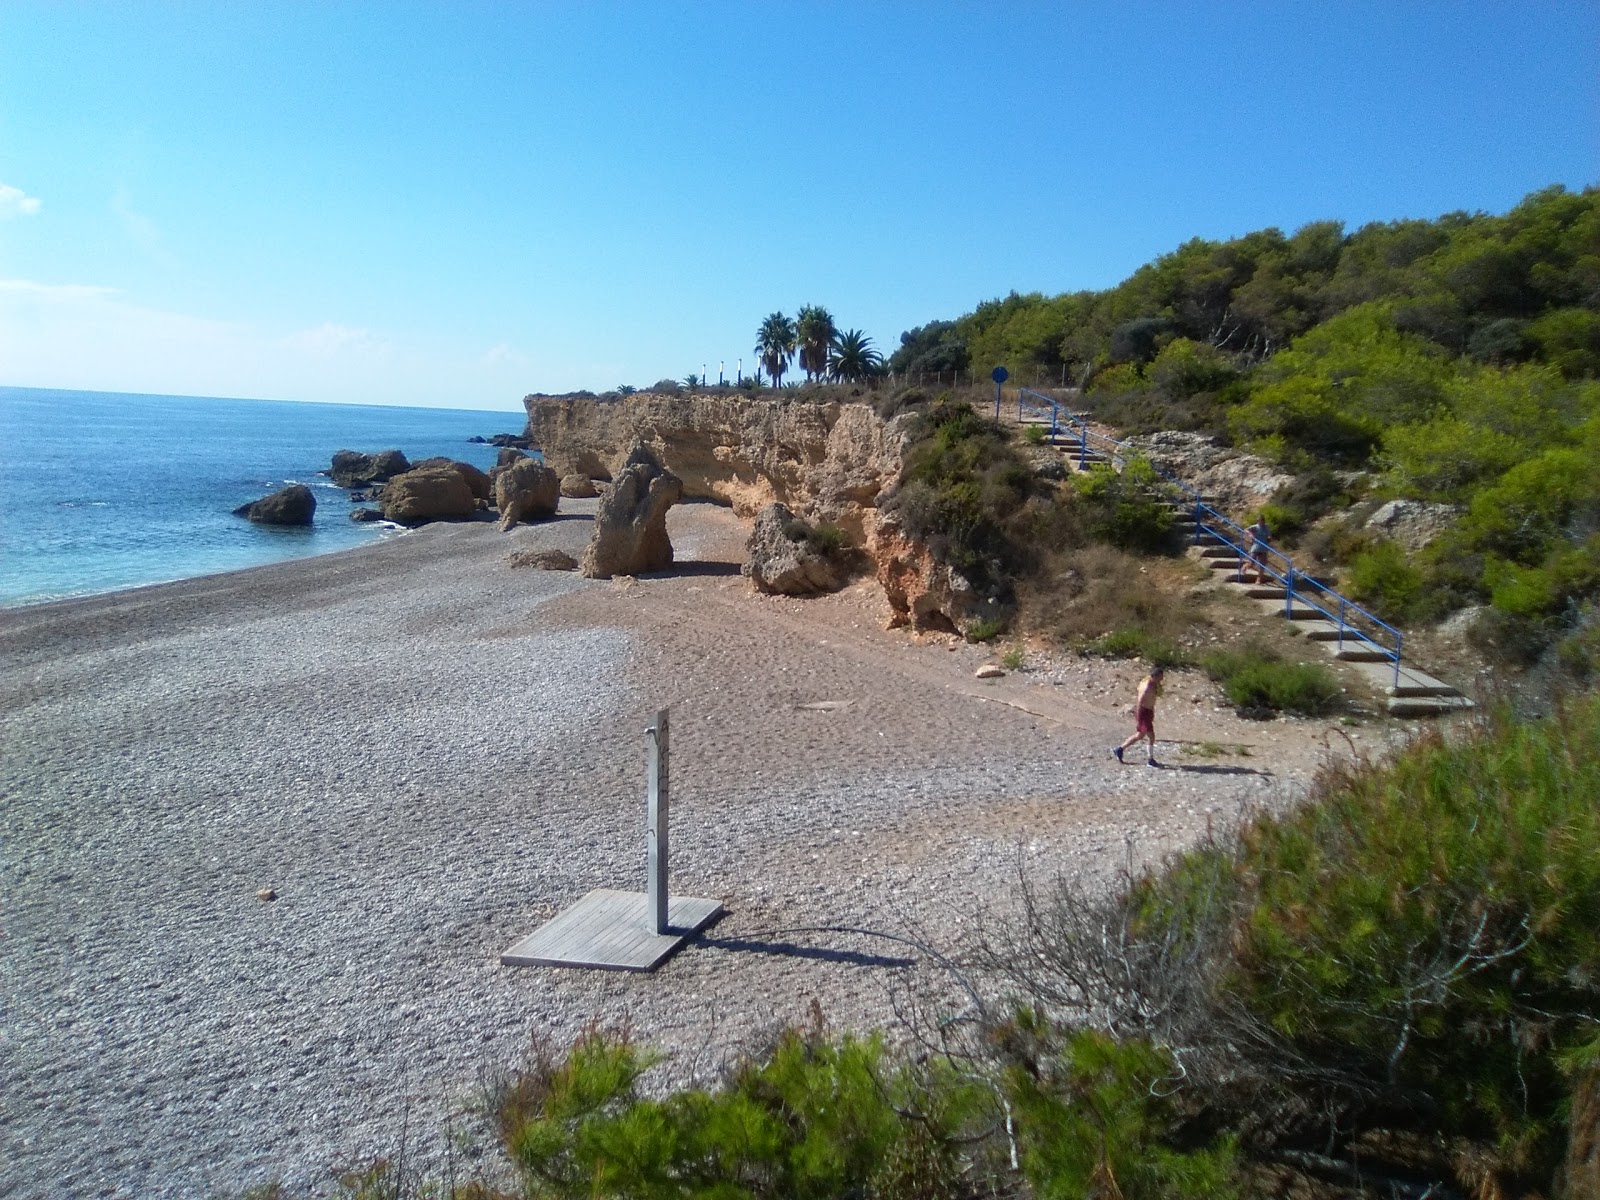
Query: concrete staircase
{"type": "Point", "coordinates": [1408, 691]}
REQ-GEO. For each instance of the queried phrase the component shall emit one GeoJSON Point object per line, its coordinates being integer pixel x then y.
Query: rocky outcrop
{"type": "Point", "coordinates": [923, 592]}
{"type": "Point", "coordinates": [509, 455]}
{"type": "Point", "coordinates": [293, 505]}
{"type": "Point", "coordinates": [482, 489]}
{"type": "Point", "coordinates": [1412, 523]}
{"type": "Point", "coordinates": [353, 469]}
{"type": "Point", "coordinates": [578, 487]}
{"type": "Point", "coordinates": [426, 494]}
{"type": "Point", "coordinates": [782, 559]}
{"type": "Point", "coordinates": [1238, 484]}
{"type": "Point", "coordinates": [630, 523]}
{"type": "Point", "coordinates": [824, 460]}
{"type": "Point", "coordinates": [527, 490]}
{"type": "Point", "coordinates": [365, 514]}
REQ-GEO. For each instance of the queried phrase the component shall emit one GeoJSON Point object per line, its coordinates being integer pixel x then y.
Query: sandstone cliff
{"type": "Point", "coordinates": [825, 460]}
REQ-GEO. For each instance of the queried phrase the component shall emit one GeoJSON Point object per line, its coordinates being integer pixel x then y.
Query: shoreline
{"type": "Point", "coordinates": [426, 754]}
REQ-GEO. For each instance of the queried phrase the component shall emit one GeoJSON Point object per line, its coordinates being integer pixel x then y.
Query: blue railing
{"type": "Point", "coordinates": [1351, 620]}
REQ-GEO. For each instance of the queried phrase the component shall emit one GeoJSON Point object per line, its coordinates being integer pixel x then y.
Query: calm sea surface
{"type": "Point", "coordinates": [100, 491]}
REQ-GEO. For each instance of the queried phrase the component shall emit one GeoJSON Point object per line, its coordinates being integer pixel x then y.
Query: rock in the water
{"type": "Point", "coordinates": [513, 440]}
{"type": "Point", "coordinates": [544, 560]}
{"type": "Point", "coordinates": [353, 469]}
{"type": "Point", "coordinates": [527, 490]}
{"type": "Point", "coordinates": [630, 523]}
{"type": "Point", "coordinates": [294, 505]}
{"type": "Point", "coordinates": [482, 489]}
{"type": "Point", "coordinates": [428, 494]}
{"type": "Point", "coordinates": [365, 514]}
{"type": "Point", "coordinates": [578, 486]}
{"type": "Point", "coordinates": [784, 560]}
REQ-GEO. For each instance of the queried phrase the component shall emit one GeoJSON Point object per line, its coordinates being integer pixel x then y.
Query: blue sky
{"type": "Point", "coordinates": [456, 204]}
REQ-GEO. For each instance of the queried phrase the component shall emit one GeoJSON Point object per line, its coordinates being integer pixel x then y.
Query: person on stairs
{"type": "Point", "coordinates": [1256, 539]}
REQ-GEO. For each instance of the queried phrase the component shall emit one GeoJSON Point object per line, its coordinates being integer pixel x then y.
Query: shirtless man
{"type": "Point", "coordinates": [1144, 709]}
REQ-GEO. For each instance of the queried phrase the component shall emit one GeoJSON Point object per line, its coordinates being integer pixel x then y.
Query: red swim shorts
{"type": "Point", "coordinates": [1145, 723]}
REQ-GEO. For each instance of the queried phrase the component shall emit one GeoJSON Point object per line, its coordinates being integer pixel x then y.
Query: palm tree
{"type": "Point", "coordinates": [775, 342]}
{"type": "Point", "coordinates": [854, 358]}
{"type": "Point", "coordinates": [815, 332]}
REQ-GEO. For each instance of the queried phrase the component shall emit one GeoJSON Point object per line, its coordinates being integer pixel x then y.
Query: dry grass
{"type": "Point", "coordinates": [1085, 594]}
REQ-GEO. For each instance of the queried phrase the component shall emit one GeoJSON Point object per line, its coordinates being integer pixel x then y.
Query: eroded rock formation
{"type": "Point", "coordinates": [923, 592]}
{"type": "Point", "coordinates": [526, 490]}
{"type": "Point", "coordinates": [825, 460]}
{"type": "Point", "coordinates": [780, 557]}
{"type": "Point", "coordinates": [423, 494]}
{"type": "Point", "coordinates": [482, 489]}
{"type": "Point", "coordinates": [630, 523]}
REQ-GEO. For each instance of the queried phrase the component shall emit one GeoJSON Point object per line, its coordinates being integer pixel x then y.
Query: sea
{"type": "Point", "coordinates": [101, 491]}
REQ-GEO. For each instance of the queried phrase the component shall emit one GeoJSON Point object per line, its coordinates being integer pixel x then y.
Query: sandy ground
{"type": "Point", "coordinates": [426, 754]}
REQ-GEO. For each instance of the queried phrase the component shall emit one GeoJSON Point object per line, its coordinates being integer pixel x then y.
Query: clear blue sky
{"type": "Point", "coordinates": [456, 204]}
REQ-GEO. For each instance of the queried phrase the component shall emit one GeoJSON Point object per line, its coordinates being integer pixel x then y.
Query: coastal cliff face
{"type": "Point", "coordinates": [826, 461]}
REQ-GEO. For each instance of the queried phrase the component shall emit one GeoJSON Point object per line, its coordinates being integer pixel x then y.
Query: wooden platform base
{"type": "Point", "coordinates": [608, 931]}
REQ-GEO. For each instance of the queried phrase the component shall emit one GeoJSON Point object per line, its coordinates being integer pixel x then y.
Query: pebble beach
{"type": "Point", "coordinates": [421, 754]}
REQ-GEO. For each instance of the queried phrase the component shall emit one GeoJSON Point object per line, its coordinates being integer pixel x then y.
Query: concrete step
{"type": "Point", "coordinates": [1261, 591]}
{"type": "Point", "coordinates": [1361, 652]}
{"type": "Point", "coordinates": [1427, 706]}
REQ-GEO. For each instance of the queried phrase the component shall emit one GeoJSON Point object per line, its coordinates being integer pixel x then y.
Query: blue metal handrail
{"type": "Point", "coordinates": [1209, 521]}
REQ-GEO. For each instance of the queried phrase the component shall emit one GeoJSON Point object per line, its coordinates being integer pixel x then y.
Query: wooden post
{"type": "Point", "coordinates": [656, 827]}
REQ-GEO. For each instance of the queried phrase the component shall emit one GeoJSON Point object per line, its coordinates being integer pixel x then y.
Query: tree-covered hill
{"type": "Point", "coordinates": [1451, 361]}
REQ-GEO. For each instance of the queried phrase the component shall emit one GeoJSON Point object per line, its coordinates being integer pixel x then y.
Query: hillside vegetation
{"type": "Point", "coordinates": [1451, 361]}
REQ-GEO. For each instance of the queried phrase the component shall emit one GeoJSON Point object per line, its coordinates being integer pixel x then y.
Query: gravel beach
{"type": "Point", "coordinates": [425, 754]}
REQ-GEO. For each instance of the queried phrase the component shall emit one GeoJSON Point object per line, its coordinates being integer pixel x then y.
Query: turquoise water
{"type": "Point", "coordinates": [100, 491]}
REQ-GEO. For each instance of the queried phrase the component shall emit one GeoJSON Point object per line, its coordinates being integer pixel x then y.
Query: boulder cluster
{"type": "Point", "coordinates": [630, 531]}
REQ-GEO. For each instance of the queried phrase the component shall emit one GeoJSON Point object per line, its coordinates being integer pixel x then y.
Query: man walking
{"type": "Point", "coordinates": [1144, 712]}
{"type": "Point", "coordinates": [1257, 538]}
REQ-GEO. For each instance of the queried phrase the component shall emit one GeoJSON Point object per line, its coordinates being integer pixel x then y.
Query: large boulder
{"type": "Point", "coordinates": [353, 469]}
{"type": "Point", "coordinates": [482, 489]}
{"type": "Point", "coordinates": [293, 505]}
{"type": "Point", "coordinates": [783, 556]}
{"type": "Point", "coordinates": [426, 494]}
{"type": "Point", "coordinates": [923, 591]}
{"type": "Point", "coordinates": [630, 522]}
{"type": "Point", "coordinates": [509, 455]}
{"type": "Point", "coordinates": [527, 490]}
{"type": "Point", "coordinates": [1413, 524]}
{"type": "Point", "coordinates": [578, 486]}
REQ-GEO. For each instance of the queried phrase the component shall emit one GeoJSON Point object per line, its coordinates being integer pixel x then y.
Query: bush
{"type": "Point", "coordinates": [1383, 579]}
{"type": "Point", "coordinates": [1258, 679]}
{"type": "Point", "coordinates": [1137, 643]}
{"type": "Point", "coordinates": [1432, 927]}
{"type": "Point", "coordinates": [1125, 508]}
{"type": "Point", "coordinates": [986, 629]}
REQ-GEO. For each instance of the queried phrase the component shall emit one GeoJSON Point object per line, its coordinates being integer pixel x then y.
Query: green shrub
{"type": "Point", "coordinates": [1095, 1118]}
{"type": "Point", "coordinates": [811, 1118]}
{"type": "Point", "coordinates": [1256, 678]}
{"type": "Point", "coordinates": [1383, 578]}
{"type": "Point", "coordinates": [986, 629]}
{"type": "Point", "coordinates": [1138, 643]}
{"type": "Point", "coordinates": [1432, 926]}
{"type": "Point", "coordinates": [1125, 508]}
